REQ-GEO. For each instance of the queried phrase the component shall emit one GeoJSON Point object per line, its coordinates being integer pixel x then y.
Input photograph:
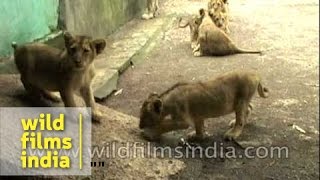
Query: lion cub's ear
{"type": "Point", "coordinates": [225, 1]}
{"type": "Point", "coordinates": [202, 12]}
{"type": "Point", "coordinates": [157, 106]}
{"type": "Point", "coordinates": [99, 45]}
{"type": "Point", "coordinates": [153, 94]}
{"type": "Point", "coordinates": [210, 12]}
{"type": "Point", "coordinates": [68, 38]}
{"type": "Point", "coordinates": [197, 21]}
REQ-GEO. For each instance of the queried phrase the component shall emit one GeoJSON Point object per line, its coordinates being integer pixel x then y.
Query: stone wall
{"type": "Point", "coordinates": [97, 18]}
{"type": "Point", "coordinates": [27, 20]}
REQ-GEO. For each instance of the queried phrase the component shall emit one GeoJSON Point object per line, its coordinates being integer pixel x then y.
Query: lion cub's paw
{"type": "Point", "coordinates": [55, 99]}
{"type": "Point", "coordinates": [197, 54]}
{"type": "Point", "coordinates": [232, 123]}
{"type": "Point", "coordinates": [193, 137]}
{"type": "Point", "coordinates": [232, 134]}
{"type": "Point", "coordinates": [97, 116]}
{"type": "Point", "coordinates": [51, 96]}
{"type": "Point", "coordinates": [157, 13]}
{"type": "Point", "coordinates": [193, 45]}
{"type": "Point", "coordinates": [147, 16]}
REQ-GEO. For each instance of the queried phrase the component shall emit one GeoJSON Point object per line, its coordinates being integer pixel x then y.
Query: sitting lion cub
{"type": "Point", "coordinates": [219, 5]}
{"type": "Point", "coordinates": [188, 104]}
{"type": "Point", "coordinates": [45, 69]}
{"type": "Point", "coordinates": [221, 20]}
{"type": "Point", "coordinates": [152, 9]}
{"type": "Point", "coordinates": [220, 14]}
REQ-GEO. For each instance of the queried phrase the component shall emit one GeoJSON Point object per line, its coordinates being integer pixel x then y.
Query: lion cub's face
{"type": "Point", "coordinates": [194, 24]}
{"type": "Point", "coordinates": [150, 114]}
{"type": "Point", "coordinates": [82, 50]}
{"type": "Point", "coordinates": [217, 5]}
{"type": "Point", "coordinates": [219, 18]}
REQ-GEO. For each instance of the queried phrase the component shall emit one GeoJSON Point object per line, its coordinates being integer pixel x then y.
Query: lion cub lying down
{"type": "Point", "coordinates": [213, 41]}
{"type": "Point", "coordinates": [45, 69]}
{"type": "Point", "coordinates": [188, 104]}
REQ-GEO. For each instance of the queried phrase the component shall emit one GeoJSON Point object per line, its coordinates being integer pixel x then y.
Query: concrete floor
{"type": "Point", "coordinates": [288, 33]}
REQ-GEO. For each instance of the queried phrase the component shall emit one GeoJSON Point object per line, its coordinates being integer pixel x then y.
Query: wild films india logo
{"type": "Point", "coordinates": [45, 141]}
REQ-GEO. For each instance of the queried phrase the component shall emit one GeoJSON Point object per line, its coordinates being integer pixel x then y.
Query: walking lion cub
{"type": "Point", "coordinates": [188, 104]}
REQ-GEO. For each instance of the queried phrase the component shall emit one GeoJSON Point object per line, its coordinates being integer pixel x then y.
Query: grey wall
{"type": "Point", "coordinates": [97, 18]}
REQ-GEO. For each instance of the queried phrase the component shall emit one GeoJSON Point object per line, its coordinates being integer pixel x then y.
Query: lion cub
{"type": "Point", "coordinates": [152, 9]}
{"type": "Point", "coordinates": [213, 41]}
{"type": "Point", "coordinates": [218, 5]}
{"type": "Point", "coordinates": [188, 104]}
{"type": "Point", "coordinates": [45, 69]}
{"type": "Point", "coordinates": [221, 20]}
{"type": "Point", "coordinates": [220, 14]}
{"type": "Point", "coordinates": [193, 22]}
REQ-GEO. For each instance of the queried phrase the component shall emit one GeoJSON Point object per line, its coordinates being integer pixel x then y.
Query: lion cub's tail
{"type": "Point", "coordinates": [263, 91]}
{"type": "Point", "coordinates": [182, 26]}
{"type": "Point", "coordinates": [245, 51]}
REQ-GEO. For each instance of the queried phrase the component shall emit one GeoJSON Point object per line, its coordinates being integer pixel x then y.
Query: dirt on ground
{"type": "Point", "coordinates": [116, 131]}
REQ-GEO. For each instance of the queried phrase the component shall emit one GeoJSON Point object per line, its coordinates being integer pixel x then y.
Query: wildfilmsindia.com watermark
{"type": "Point", "coordinates": [148, 150]}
